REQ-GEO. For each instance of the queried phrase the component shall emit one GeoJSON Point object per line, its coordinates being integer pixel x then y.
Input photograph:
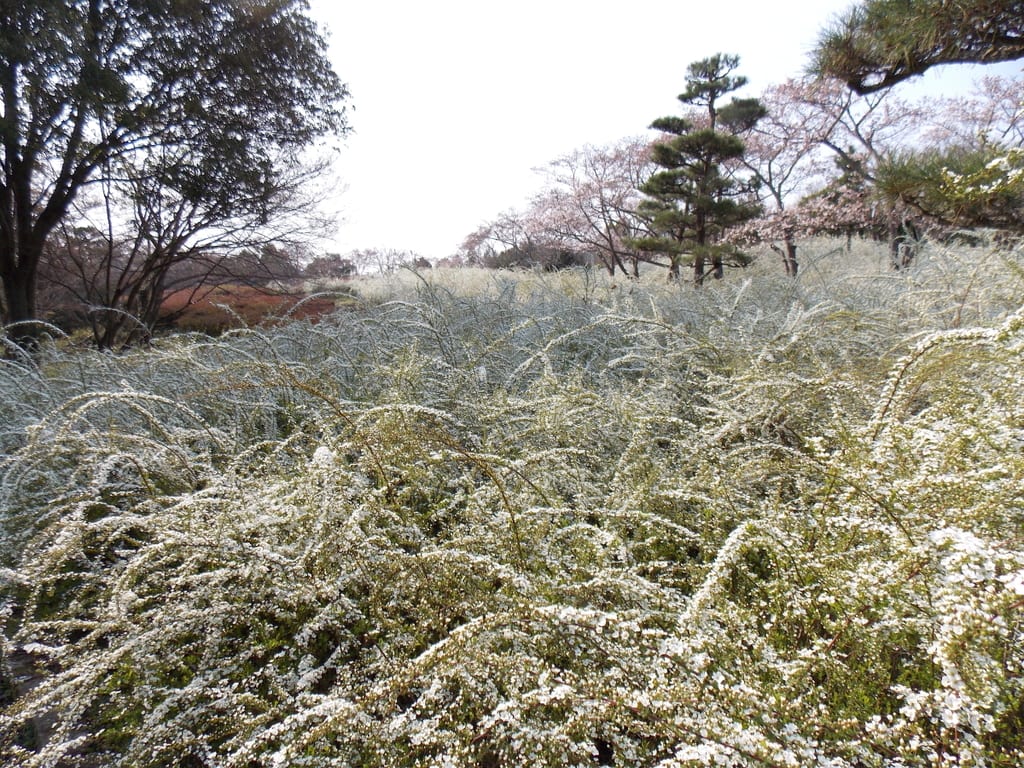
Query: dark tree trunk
{"type": "Point", "coordinates": [717, 267]}
{"type": "Point", "coordinates": [617, 262]}
{"type": "Point", "coordinates": [698, 269]}
{"type": "Point", "coordinates": [788, 255]}
{"type": "Point", "coordinates": [20, 300]}
{"type": "Point", "coordinates": [673, 268]}
{"type": "Point", "coordinates": [18, 303]}
{"type": "Point", "coordinates": [791, 263]}
{"type": "Point", "coordinates": [700, 237]}
{"type": "Point", "coordinates": [894, 243]}
{"type": "Point", "coordinates": [903, 243]}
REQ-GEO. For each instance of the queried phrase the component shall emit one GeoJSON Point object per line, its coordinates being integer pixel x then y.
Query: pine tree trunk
{"type": "Point", "coordinates": [894, 243]}
{"type": "Point", "coordinates": [903, 238]}
{"type": "Point", "coordinates": [700, 238]}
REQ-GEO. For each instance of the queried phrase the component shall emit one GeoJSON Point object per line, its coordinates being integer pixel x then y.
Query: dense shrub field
{"type": "Point", "coordinates": [533, 520]}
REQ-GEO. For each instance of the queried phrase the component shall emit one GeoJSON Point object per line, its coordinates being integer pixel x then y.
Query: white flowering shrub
{"type": "Point", "coordinates": [993, 192]}
{"type": "Point", "coordinates": [545, 522]}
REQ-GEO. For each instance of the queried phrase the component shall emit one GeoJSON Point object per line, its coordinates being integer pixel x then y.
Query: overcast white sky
{"type": "Point", "coordinates": [456, 101]}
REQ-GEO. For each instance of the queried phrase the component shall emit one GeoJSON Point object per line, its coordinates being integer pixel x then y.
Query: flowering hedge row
{"type": "Point", "coordinates": [766, 523]}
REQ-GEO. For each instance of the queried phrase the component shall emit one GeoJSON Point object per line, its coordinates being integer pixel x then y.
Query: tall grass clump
{"type": "Point", "coordinates": [541, 521]}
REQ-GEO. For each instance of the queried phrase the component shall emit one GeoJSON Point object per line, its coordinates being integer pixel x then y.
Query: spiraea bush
{"type": "Point", "coordinates": [542, 521]}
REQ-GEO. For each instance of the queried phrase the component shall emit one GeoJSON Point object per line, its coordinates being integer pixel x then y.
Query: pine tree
{"type": "Point", "coordinates": [878, 43]}
{"type": "Point", "coordinates": [696, 195]}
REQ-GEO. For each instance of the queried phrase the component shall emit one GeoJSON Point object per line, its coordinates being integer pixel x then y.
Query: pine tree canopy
{"type": "Point", "coordinates": [879, 43]}
{"type": "Point", "coordinates": [696, 195]}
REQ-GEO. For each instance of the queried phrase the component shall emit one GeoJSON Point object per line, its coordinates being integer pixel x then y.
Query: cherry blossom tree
{"type": "Point", "coordinates": [518, 239]}
{"type": "Point", "coordinates": [993, 111]}
{"type": "Point", "coordinates": [863, 129]}
{"type": "Point", "coordinates": [861, 134]}
{"type": "Point", "coordinates": [509, 232]}
{"type": "Point", "coordinates": [589, 203]}
{"type": "Point", "coordinates": [784, 152]}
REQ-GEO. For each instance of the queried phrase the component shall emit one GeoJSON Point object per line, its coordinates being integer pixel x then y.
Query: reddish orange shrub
{"type": "Point", "coordinates": [223, 307]}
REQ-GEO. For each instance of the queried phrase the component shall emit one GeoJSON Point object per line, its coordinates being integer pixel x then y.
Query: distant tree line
{"type": "Point", "coordinates": [837, 152]}
{"type": "Point", "coordinates": [149, 148]}
{"type": "Point", "coordinates": [86, 281]}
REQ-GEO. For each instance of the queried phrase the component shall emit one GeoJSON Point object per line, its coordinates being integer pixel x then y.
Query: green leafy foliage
{"type": "Point", "coordinates": [543, 521]}
{"type": "Point", "coordinates": [981, 186]}
{"type": "Point", "coordinates": [878, 43]}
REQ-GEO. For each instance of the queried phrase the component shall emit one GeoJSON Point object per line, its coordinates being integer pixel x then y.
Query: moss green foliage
{"type": "Point", "coordinates": [546, 521]}
{"type": "Point", "coordinates": [964, 187]}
